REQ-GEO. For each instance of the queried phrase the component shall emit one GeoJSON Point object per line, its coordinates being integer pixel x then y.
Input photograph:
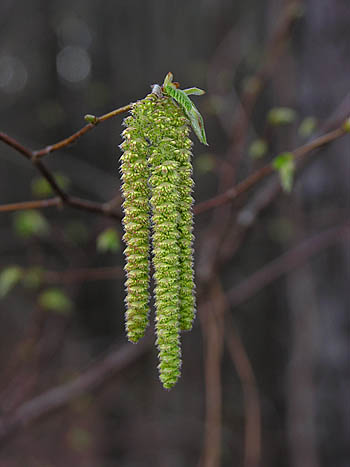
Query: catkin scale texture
{"type": "Point", "coordinates": [136, 193]}
{"type": "Point", "coordinates": [157, 185]}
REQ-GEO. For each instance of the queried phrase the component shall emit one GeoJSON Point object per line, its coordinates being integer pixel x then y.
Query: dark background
{"type": "Point", "coordinates": [266, 385]}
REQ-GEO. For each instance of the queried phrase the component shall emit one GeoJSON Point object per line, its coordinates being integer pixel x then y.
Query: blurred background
{"type": "Point", "coordinates": [265, 374]}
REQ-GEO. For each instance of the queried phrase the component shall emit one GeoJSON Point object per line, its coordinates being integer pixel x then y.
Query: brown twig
{"type": "Point", "coordinates": [83, 274]}
{"type": "Point", "coordinates": [113, 363]}
{"type": "Point", "coordinates": [72, 201]}
{"type": "Point", "coordinates": [242, 187]}
{"type": "Point", "coordinates": [213, 330]}
{"type": "Point", "coordinates": [63, 197]}
{"type": "Point", "coordinates": [71, 139]}
{"type": "Point", "coordinates": [256, 84]}
{"type": "Point", "coordinates": [252, 411]}
{"type": "Point", "coordinates": [285, 263]}
{"type": "Point", "coordinates": [36, 204]}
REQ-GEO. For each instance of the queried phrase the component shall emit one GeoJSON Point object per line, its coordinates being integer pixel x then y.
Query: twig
{"type": "Point", "coordinates": [234, 192]}
{"type": "Point", "coordinates": [213, 330]}
{"type": "Point", "coordinates": [285, 263]}
{"type": "Point", "coordinates": [228, 196]}
{"type": "Point", "coordinates": [64, 198]}
{"type": "Point", "coordinates": [67, 141]}
{"type": "Point", "coordinates": [83, 274]}
{"type": "Point", "coordinates": [254, 88]}
{"type": "Point", "coordinates": [252, 411]}
{"type": "Point", "coordinates": [58, 397]}
{"type": "Point", "coordinates": [73, 201]}
{"type": "Point", "coordinates": [37, 204]}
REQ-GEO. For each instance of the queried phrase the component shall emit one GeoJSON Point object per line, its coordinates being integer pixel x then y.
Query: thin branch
{"type": "Point", "coordinates": [113, 363]}
{"type": "Point", "coordinates": [233, 193]}
{"type": "Point", "coordinates": [36, 204]}
{"type": "Point", "coordinates": [71, 139]}
{"type": "Point", "coordinates": [285, 263]}
{"type": "Point", "coordinates": [74, 202]}
{"type": "Point", "coordinates": [212, 323]}
{"type": "Point", "coordinates": [63, 197]}
{"type": "Point", "coordinates": [83, 274]}
{"type": "Point", "coordinates": [252, 410]}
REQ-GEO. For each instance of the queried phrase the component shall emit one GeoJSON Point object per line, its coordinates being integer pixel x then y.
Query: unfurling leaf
{"type": "Point", "coordinates": [188, 107]}
{"type": "Point", "coordinates": [285, 165]}
{"type": "Point", "coordinates": [9, 277]}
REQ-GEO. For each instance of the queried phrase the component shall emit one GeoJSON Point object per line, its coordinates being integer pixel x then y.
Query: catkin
{"type": "Point", "coordinates": [156, 172]}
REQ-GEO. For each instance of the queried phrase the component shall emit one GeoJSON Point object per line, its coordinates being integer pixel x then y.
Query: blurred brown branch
{"type": "Point", "coordinates": [268, 169]}
{"type": "Point", "coordinates": [83, 275]}
{"type": "Point", "coordinates": [113, 363]}
{"type": "Point", "coordinates": [213, 331]}
{"type": "Point", "coordinates": [105, 209]}
{"type": "Point", "coordinates": [285, 263]}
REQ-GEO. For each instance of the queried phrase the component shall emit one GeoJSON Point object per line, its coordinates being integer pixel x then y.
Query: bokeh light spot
{"type": "Point", "coordinates": [13, 74]}
{"type": "Point", "coordinates": [73, 64]}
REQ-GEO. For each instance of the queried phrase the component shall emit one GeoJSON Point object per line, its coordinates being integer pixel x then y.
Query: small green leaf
{"type": "Point", "coordinates": [188, 107]}
{"type": "Point", "coordinates": [281, 116]}
{"type": "Point", "coordinates": [31, 222]}
{"type": "Point", "coordinates": [9, 277]}
{"type": "Point", "coordinates": [55, 300]}
{"type": "Point", "coordinates": [258, 149]}
{"type": "Point", "coordinates": [307, 127]}
{"type": "Point", "coordinates": [108, 240]}
{"type": "Point", "coordinates": [32, 277]}
{"type": "Point", "coordinates": [285, 166]}
{"type": "Point", "coordinates": [41, 188]}
{"type": "Point", "coordinates": [194, 91]}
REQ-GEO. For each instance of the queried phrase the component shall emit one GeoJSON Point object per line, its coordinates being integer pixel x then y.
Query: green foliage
{"type": "Point", "coordinates": [285, 166]}
{"type": "Point", "coordinates": [188, 107]}
{"type": "Point", "coordinates": [9, 277]}
{"type": "Point", "coordinates": [29, 223]}
{"type": "Point", "coordinates": [258, 149]}
{"type": "Point", "coordinates": [54, 299]}
{"type": "Point", "coordinates": [156, 172]}
{"type": "Point", "coordinates": [281, 116]}
{"type": "Point", "coordinates": [108, 240]}
{"type": "Point", "coordinates": [41, 188]}
{"type": "Point", "coordinates": [307, 127]}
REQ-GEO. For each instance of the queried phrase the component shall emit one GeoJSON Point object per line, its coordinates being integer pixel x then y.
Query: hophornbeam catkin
{"type": "Point", "coordinates": [157, 185]}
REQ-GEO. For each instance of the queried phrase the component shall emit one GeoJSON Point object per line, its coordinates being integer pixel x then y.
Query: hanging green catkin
{"type": "Point", "coordinates": [157, 189]}
{"type": "Point", "coordinates": [167, 134]}
{"type": "Point", "coordinates": [185, 225]}
{"type": "Point", "coordinates": [136, 193]}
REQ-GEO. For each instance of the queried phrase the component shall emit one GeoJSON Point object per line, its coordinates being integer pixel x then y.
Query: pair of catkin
{"type": "Point", "coordinates": [157, 185]}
